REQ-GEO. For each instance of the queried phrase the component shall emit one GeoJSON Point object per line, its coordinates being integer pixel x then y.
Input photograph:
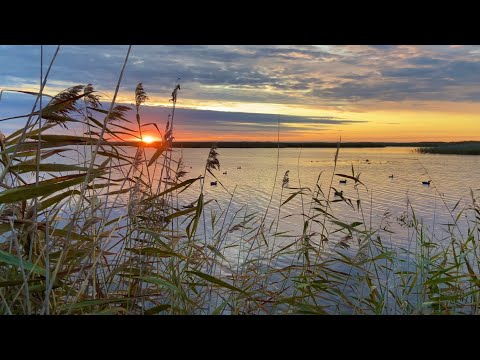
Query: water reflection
{"type": "Point", "coordinates": [393, 177]}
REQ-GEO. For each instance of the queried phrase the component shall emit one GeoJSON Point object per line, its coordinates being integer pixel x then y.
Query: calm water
{"type": "Point", "coordinates": [383, 201]}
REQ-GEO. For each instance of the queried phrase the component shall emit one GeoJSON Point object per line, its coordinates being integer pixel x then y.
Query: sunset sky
{"type": "Point", "coordinates": [318, 93]}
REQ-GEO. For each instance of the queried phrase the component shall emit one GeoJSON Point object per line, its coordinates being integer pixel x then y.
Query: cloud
{"type": "Point", "coordinates": [425, 60]}
{"type": "Point", "coordinates": [383, 47]}
{"type": "Point", "coordinates": [330, 77]}
{"type": "Point", "coordinates": [241, 122]}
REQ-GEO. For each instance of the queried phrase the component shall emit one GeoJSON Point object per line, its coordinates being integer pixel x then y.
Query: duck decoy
{"type": "Point", "coordinates": [239, 167]}
{"type": "Point", "coordinates": [391, 176]}
{"type": "Point", "coordinates": [213, 183]}
{"type": "Point", "coordinates": [426, 182]}
{"type": "Point", "coordinates": [343, 181]}
{"type": "Point", "coordinates": [338, 193]}
{"type": "Point", "coordinates": [225, 173]}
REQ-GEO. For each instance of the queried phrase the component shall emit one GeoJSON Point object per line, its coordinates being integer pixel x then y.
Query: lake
{"type": "Point", "coordinates": [384, 200]}
{"type": "Point", "coordinates": [250, 189]}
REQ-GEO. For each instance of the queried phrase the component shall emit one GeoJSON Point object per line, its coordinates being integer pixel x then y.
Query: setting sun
{"type": "Point", "coordinates": [148, 139]}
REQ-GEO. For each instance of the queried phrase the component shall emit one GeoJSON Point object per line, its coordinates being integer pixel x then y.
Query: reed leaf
{"type": "Point", "coordinates": [11, 259]}
{"type": "Point", "coordinates": [45, 187]}
{"type": "Point", "coordinates": [215, 280]}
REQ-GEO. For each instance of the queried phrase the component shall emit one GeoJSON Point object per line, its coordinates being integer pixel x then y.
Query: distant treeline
{"type": "Point", "coordinates": [264, 144]}
{"type": "Point", "coordinates": [460, 148]}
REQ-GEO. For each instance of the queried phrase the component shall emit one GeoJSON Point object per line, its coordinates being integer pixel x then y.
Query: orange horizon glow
{"type": "Point", "coordinates": [385, 121]}
{"type": "Point", "coordinates": [430, 131]}
{"type": "Point", "coordinates": [325, 136]}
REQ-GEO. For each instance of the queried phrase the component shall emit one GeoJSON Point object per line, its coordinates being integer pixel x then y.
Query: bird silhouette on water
{"type": "Point", "coordinates": [343, 181]}
{"type": "Point", "coordinates": [426, 182]}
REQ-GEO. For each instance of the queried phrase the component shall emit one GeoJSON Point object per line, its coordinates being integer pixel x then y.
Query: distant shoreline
{"type": "Point", "coordinates": [265, 144]}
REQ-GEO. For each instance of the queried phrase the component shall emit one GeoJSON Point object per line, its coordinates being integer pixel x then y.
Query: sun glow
{"type": "Point", "coordinates": [148, 139]}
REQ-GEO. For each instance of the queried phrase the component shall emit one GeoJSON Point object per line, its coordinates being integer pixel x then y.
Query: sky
{"type": "Point", "coordinates": [239, 92]}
